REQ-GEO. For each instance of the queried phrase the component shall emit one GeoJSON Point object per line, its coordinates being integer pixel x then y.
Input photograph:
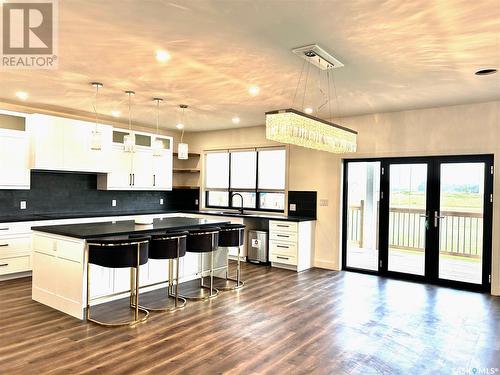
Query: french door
{"type": "Point", "coordinates": [423, 218]}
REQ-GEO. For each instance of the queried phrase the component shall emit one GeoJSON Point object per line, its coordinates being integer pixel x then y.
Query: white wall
{"type": "Point", "coordinates": [464, 129]}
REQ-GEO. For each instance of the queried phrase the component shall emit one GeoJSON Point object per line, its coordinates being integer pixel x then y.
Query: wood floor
{"type": "Point", "coordinates": [314, 322]}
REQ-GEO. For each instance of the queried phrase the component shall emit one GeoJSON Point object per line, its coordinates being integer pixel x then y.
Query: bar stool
{"type": "Point", "coordinates": [231, 235]}
{"type": "Point", "coordinates": [119, 253]}
{"type": "Point", "coordinates": [204, 240]}
{"type": "Point", "coordinates": [171, 246]}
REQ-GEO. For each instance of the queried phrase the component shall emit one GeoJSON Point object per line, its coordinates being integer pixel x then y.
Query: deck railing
{"type": "Point", "coordinates": [461, 233]}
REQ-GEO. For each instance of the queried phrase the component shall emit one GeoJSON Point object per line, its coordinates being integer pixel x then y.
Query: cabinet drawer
{"type": "Point", "coordinates": [282, 226]}
{"type": "Point", "coordinates": [14, 264]}
{"type": "Point", "coordinates": [70, 250]}
{"type": "Point", "coordinates": [14, 228]}
{"type": "Point", "coordinates": [10, 245]}
{"type": "Point", "coordinates": [282, 248]}
{"type": "Point", "coordinates": [284, 236]}
{"type": "Point", "coordinates": [284, 258]}
{"type": "Point", "coordinates": [44, 244]}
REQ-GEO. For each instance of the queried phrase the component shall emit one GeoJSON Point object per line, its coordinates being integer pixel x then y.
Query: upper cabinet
{"type": "Point", "coordinates": [65, 144]}
{"type": "Point", "coordinates": [14, 160]}
{"type": "Point", "coordinates": [142, 169]}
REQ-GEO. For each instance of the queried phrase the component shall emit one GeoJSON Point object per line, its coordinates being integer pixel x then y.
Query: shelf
{"type": "Point", "coordinates": [186, 171]}
{"type": "Point", "coordinates": [186, 187]}
{"type": "Point", "coordinates": [191, 155]}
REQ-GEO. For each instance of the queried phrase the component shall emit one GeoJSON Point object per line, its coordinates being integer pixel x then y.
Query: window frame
{"type": "Point", "coordinates": [256, 190]}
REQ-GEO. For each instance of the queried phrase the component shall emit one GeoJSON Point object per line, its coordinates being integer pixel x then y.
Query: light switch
{"type": "Point", "coordinates": [23, 205]}
{"type": "Point", "coordinates": [293, 207]}
{"type": "Point", "coordinates": [113, 203]}
{"type": "Point", "coordinates": [161, 200]}
{"type": "Point", "coordinates": [323, 202]}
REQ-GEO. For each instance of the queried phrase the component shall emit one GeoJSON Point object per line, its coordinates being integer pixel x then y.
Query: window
{"type": "Point", "coordinates": [257, 174]}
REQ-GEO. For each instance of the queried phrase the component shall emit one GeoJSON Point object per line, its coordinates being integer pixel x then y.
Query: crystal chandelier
{"type": "Point", "coordinates": [303, 129]}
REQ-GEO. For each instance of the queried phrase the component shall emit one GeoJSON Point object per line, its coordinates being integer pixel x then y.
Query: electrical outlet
{"type": "Point", "coordinates": [161, 200]}
{"type": "Point", "coordinates": [113, 203]}
{"type": "Point", "coordinates": [323, 202]}
{"type": "Point", "coordinates": [22, 206]}
{"type": "Point", "coordinates": [196, 201]}
{"type": "Point", "coordinates": [293, 207]}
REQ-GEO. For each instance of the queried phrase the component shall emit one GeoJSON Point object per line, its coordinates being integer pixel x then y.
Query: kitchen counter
{"type": "Point", "coordinates": [82, 215]}
{"type": "Point", "coordinates": [109, 229]}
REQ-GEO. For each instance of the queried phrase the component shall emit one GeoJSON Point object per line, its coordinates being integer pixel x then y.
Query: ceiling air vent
{"type": "Point", "coordinates": [318, 57]}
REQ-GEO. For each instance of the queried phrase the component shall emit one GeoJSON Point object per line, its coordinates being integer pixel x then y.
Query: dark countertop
{"type": "Point", "coordinates": [109, 229]}
{"type": "Point", "coordinates": [81, 215]}
{"type": "Point", "coordinates": [262, 216]}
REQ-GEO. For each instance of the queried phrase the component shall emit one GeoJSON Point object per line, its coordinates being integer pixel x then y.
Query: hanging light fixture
{"type": "Point", "coordinates": [182, 148]}
{"type": "Point", "coordinates": [303, 129]}
{"type": "Point", "coordinates": [96, 136]}
{"type": "Point", "coordinates": [129, 139]}
{"type": "Point", "coordinates": [158, 143]}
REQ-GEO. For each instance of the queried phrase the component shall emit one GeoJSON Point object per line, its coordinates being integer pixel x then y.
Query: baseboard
{"type": "Point", "coordinates": [326, 264]}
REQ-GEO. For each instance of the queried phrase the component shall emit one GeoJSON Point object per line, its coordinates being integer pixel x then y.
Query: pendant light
{"type": "Point", "coordinates": [129, 139]}
{"type": "Point", "coordinates": [303, 129]}
{"type": "Point", "coordinates": [158, 146]}
{"type": "Point", "coordinates": [96, 136]}
{"type": "Point", "coordinates": [182, 148]}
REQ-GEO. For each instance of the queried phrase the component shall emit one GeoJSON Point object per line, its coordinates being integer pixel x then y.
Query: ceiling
{"type": "Point", "coordinates": [397, 54]}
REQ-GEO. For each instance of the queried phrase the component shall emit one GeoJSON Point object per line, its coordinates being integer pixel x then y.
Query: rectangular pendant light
{"type": "Point", "coordinates": [298, 128]}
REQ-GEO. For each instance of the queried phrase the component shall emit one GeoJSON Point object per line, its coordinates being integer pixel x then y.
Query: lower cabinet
{"type": "Point", "coordinates": [291, 244]}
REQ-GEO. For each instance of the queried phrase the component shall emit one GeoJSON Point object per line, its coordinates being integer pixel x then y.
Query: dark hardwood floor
{"type": "Point", "coordinates": [314, 322]}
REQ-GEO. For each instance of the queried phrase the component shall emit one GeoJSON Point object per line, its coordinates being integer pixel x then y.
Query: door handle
{"type": "Point", "coordinates": [426, 216]}
{"type": "Point", "coordinates": [436, 218]}
{"type": "Point", "coordinates": [133, 179]}
{"type": "Point", "coordinates": [154, 180]}
{"type": "Point", "coordinates": [4, 245]}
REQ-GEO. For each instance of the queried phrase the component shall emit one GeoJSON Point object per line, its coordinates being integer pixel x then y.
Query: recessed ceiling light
{"type": "Point", "coordinates": [254, 90]}
{"type": "Point", "coordinates": [162, 55]}
{"type": "Point", "coordinates": [179, 126]}
{"type": "Point", "coordinates": [22, 95]}
{"type": "Point", "coordinates": [485, 72]}
{"type": "Point", "coordinates": [308, 110]}
{"type": "Point", "coordinates": [115, 113]}
{"type": "Point", "coordinates": [235, 120]}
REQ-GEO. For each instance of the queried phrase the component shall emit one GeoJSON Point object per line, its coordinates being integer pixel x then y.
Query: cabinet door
{"type": "Point", "coordinates": [14, 160]}
{"type": "Point", "coordinates": [121, 164]}
{"type": "Point", "coordinates": [142, 170]}
{"type": "Point", "coordinates": [47, 140]}
{"type": "Point", "coordinates": [101, 281]}
{"type": "Point", "coordinates": [78, 155]}
{"type": "Point", "coordinates": [162, 171]}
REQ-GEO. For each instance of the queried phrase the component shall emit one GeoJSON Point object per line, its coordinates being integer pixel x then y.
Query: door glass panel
{"type": "Point", "coordinates": [363, 181]}
{"type": "Point", "coordinates": [407, 222]}
{"type": "Point", "coordinates": [461, 222]}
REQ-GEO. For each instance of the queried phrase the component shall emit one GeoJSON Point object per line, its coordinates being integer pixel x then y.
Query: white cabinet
{"type": "Point", "coordinates": [14, 160]}
{"type": "Point", "coordinates": [141, 169]}
{"type": "Point", "coordinates": [15, 249]}
{"type": "Point", "coordinates": [291, 244]}
{"type": "Point", "coordinates": [65, 144]}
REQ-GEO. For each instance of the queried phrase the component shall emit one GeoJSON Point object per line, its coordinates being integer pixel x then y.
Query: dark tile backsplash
{"type": "Point", "coordinates": [76, 193]}
{"type": "Point", "coordinates": [305, 203]}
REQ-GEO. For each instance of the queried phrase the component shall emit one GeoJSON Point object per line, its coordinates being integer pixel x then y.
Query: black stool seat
{"type": "Point", "coordinates": [203, 240]}
{"type": "Point", "coordinates": [231, 235]}
{"type": "Point", "coordinates": [117, 253]}
{"type": "Point", "coordinates": [164, 246]}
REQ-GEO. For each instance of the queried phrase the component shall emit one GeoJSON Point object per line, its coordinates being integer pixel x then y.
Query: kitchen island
{"type": "Point", "coordinates": [60, 255]}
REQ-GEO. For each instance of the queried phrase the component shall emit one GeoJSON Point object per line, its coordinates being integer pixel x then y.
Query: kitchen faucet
{"type": "Point", "coordinates": [241, 196]}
